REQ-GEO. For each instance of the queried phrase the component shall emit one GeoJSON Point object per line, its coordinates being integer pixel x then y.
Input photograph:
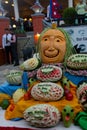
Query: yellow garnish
{"type": "Point", "coordinates": [54, 25]}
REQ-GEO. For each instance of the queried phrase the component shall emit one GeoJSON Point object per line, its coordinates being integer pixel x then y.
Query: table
{"type": "Point", "coordinates": [23, 125]}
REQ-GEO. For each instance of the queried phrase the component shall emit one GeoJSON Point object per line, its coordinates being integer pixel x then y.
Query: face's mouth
{"type": "Point", "coordinates": [51, 53]}
{"type": "Point", "coordinates": [67, 117]}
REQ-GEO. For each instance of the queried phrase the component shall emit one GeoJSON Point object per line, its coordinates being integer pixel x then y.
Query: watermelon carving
{"type": "Point", "coordinates": [77, 61]}
{"type": "Point", "coordinates": [14, 77]}
{"type": "Point", "coordinates": [82, 94]}
{"type": "Point", "coordinates": [30, 64]}
{"type": "Point", "coordinates": [47, 91]}
{"type": "Point", "coordinates": [49, 73]}
{"type": "Point", "coordinates": [42, 115]}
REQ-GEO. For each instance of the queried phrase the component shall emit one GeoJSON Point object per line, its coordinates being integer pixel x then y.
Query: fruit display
{"type": "Point", "coordinates": [46, 97]}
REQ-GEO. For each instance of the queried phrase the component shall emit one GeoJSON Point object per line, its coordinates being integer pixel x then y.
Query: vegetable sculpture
{"type": "Point", "coordinates": [14, 77]}
{"type": "Point", "coordinates": [18, 94]}
{"type": "Point", "coordinates": [66, 86]}
{"type": "Point", "coordinates": [30, 64]}
{"type": "Point", "coordinates": [67, 115]}
{"type": "Point", "coordinates": [54, 45]}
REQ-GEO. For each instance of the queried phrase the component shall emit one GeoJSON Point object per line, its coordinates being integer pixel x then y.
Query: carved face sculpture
{"type": "Point", "coordinates": [52, 46]}
{"type": "Point", "coordinates": [67, 115]}
{"type": "Point", "coordinates": [65, 82]}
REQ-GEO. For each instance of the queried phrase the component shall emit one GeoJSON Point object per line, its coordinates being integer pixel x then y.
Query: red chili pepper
{"type": "Point", "coordinates": [12, 107]}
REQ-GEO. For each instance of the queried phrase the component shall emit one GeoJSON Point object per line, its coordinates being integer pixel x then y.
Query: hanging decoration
{"type": "Point", "coordinates": [54, 9]}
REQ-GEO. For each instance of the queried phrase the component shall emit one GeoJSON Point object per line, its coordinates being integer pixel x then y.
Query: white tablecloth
{"type": "Point", "coordinates": [24, 124]}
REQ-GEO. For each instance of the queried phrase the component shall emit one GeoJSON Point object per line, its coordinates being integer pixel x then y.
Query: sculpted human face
{"type": "Point", "coordinates": [53, 46]}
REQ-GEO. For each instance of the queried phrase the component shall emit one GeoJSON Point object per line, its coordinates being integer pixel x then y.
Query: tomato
{"type": "Point", "coordinates": [69, 96]}
{"type": "Point", "coordinates": [12, 106]}
{"type": "Point", "coordinates": [26, 96]}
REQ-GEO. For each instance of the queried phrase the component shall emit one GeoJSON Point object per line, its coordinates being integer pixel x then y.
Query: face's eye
{"type": "Point", "coordinates": [64, 110]}
{"type": "Point", "coordinates": [45, 39]}
{"type": "Point", "coordinates": [65, 83]}
{"type": "Point", "coordinates": [72, 110]}
{"type": "Point", "coordinates": [32, 79]}
{"type": "Point", "coordinates": [57, 40]}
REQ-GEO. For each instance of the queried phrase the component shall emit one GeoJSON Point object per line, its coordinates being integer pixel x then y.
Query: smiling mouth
{"type": "Point", "coordinates": [51, 54]}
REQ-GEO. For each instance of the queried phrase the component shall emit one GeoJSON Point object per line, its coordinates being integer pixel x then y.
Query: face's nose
{"type": "Point", "coordinates": [67, 114]}
{"type": "Point", "coordinates": [52, 41]}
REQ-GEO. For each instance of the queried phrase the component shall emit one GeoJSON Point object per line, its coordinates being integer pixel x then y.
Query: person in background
{"type": "Point", "coordinates": [81, 11]}
{"type": "Point", "coordinates": [86, 12]}
{"type": "Point", "coordinates": [6, 44]}
{"type": "Point", "coordinates": [14, 48]}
